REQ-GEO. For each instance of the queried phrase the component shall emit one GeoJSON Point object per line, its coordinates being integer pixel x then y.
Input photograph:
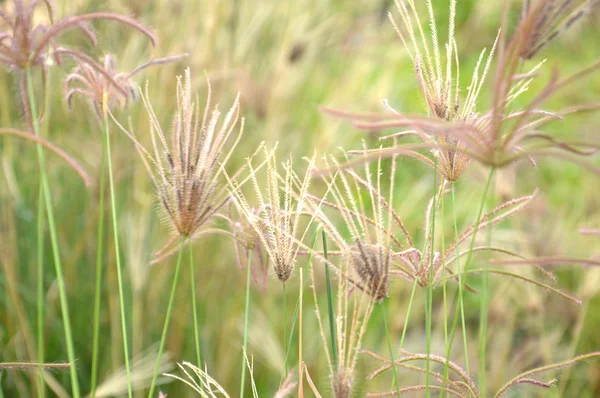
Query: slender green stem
{"type": "Point", "coordinates": [408, 309]}
{"type": "Point", "coordinates": [246, 313]}
{"type": "Point", "coordinates": [483, 309]}
{"type": "Point", "coordinates": [332, 329]}
{"type": "Point", "coordinates": [389, 341]}
{"type": "Point", "coordinates": [296, 310]}
{"type": "Point", "coordinates": [285, 370]}
{"type": "Point", "coordinates": [62, 291]}
{"type": "Point", "coordinates": [195, 309]}
{"type": "Point", "coordinates": [113, 208]}
{"type": "Point", "coordinates": [99, 257]}
{"type": "Point", "coordinates": [40, 294]}
{"type": "Point", "coordinates": [467, 263]}
{"type": "Point", "coordinates": [460, 306]}
{"type": "Point", "coordinates": [429, 297]}
{"type": "Point", "coordinates": [444, 293]}
{"type": "Point", "coordinates": [167, 318]}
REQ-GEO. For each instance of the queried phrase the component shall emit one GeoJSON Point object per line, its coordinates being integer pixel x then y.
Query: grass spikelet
{"type": "Point", "coordinates": [187, 169]}
{"type": "Point", "coordinates": [280, 209]}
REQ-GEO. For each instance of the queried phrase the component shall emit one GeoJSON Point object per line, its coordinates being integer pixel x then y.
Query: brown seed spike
{"type": "Point", "coordinates": [371, 264]}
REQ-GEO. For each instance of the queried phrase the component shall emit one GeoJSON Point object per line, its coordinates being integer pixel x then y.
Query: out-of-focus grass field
{"type": "Point", "coordinates": [286, 58]}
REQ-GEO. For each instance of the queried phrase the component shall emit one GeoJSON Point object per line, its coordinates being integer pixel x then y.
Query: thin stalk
{"type": "Point", "coordinates": [167, 318]}
{"type": "Point", "coordinates": [389, 341]}
{"type": "Point", "coordinates": [113, 208]}
{"type": "Point", "coordinates": [483, 309]}
{"type": "Point", "coordinates": [40, 294]}
{"type": "Point", "coordinates": [467, 262]}
{"type": "Point", "coordinates": [300, 367]}
{"type": "Point", "coordinates": [246, 313]}
{"type": "Point", "coordinates": [460, 306]}
{"type": "Point", "coordinates": [297, 309]}
{"type": "Point", "coordinates": [408, 309]}
{"type": "Point", "coordinates": [429, 297]}
{"type": "Point", "coordinates": [444, 292]}
{"type": "Point", "coordinates": [332, 329]}
{"type": "Point", "coordinates": [99, 256]}
{"type": "Point", "coordinates": [285, 370]}
{"type": "Point", "coordinates": [62, 291]}
{"type": "Point", "coordinates": [194, 308]}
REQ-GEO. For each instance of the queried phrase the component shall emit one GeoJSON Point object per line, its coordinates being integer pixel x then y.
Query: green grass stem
{"type": "Point", "coordinates": [62, 290]}
{"type": "Point", "coordinates": [163, 337]}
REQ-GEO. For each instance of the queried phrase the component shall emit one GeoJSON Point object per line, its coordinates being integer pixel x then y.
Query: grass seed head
{"type": "Point", "coordinates": [545, 20]}
{"type": "Point", "coordinates": [281, 205]}
{"type": "Point", "coordinates": [187, 170]}
{"type": "Point", "coordinates": [371, 263]}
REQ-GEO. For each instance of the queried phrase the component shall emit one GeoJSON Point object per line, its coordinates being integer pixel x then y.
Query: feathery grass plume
{"type": "Point", "coordinates": [187, 172]}
{"type": "Point", "coordinates": [207, 387]}
{"type": "Point", "coordinates": [372, 226]}
{"type": "Point", "coordinates": [413, 265]}
{"type": "Point", "coordinates": [142, 367]}
{"type": "Point", "coordinates": [247, 241]}
{"type": "Point", "coordinates": [464, 386]}
{"type": "Point", "coordinates": [23, 44]}
{"type": "Point", "coordinates": [438, 78]}
{"type": "Point", "coordinates": [280, 209]}
{"type": "Point", "coordinates": [559, 260]}
{"type": "Point", "coordinates": [545, 20]}
{"type": "Point", "coordinates": [354, 308]}
{"type": "Point", "coordinates": [93, 84]}
{"type": "Point", "coordinates": [495, 138]}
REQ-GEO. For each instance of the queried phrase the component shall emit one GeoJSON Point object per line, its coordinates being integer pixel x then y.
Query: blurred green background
{"type": "Point", "coordinates": [286, 58]}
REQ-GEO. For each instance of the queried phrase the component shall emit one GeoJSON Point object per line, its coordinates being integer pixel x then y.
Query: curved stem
{"type": "Point", "coordinates": [167, 318]}
{"type": "Point", "coordinates": [113, 208]}
{"type": "Point", "coordinates": [246, 313]}
{"type": "Point", "coordinates": [31, 111]}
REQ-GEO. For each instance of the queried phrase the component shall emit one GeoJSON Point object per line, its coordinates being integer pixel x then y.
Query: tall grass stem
{"type": "Point", "coordinates": [40, 293]}
{"type": "Point", "coordinates": [163, 337]}
{"type": "Point", "coordinates": [332, 329]}
{"type": "Point", "coordinates": [62, 291]}
{"type": "Point", "coordinates": [195, 308]}
{"type": "Point", "coordinates": [429, 297]}
{"type": "Point", "coordinates": [246, 314]}
{"type": "Point", "coordinates": [113, 208]}
{"type": "Point", "coordinates": [389, 342]}
{"type": "Point", "coordinates": [98, 288]}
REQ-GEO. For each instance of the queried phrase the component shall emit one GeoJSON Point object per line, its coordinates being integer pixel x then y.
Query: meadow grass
{"type": "Point", "coordinates": [72, 302]}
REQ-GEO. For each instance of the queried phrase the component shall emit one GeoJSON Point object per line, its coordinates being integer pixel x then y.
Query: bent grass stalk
{"type": "Point", "coordinates": [246, 313]}
{"type": "Point", "coordinates": [167, 318]}
{"type": "Point", "coordinates": [98, 288]}
{"type": "Point", "coordinates": [113, 208]}
{"type": "Point", "coordinates": [194, 308]}
{"type": "Point", "coordinates": [62, 291]}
